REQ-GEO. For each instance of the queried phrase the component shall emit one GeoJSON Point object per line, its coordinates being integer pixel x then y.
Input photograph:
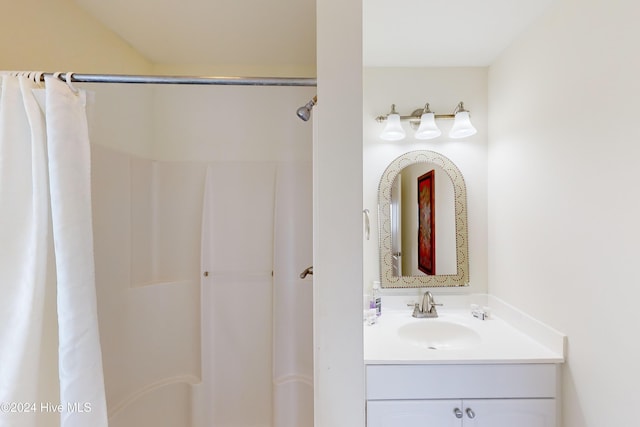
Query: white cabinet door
{"type": "Point", "coordinates": [414, 413]}
{"type": "Point", "coordinates": [509, 413]}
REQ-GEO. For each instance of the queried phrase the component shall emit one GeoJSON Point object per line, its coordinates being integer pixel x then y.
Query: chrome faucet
{"type": "Point", "coordinates": [427, 308]}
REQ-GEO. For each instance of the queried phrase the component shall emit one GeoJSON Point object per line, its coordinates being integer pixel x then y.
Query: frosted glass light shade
{"type": "Point", "coordinates": [393, 130]}
{"type": "Point", "coordinates": [462, 126]}
{"type": "Point", "coordinates": [428, 128]}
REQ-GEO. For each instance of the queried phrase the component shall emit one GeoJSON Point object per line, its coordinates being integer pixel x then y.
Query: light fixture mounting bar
{"type": "Point", "coordinates": [416, 116]}
{"type": "Point", "coordinates": [423, 120]}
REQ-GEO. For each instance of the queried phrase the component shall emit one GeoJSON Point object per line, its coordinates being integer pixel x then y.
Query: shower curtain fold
{"type": "Point", "coordinates": [24, 220]}
{"type": "Point", "coordinates": [26, 249]}
{"type": "Point", "coordinates": [80, 359]}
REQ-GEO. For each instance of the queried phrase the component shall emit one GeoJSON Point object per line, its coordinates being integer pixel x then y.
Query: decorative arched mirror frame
{"type": "Point", "coordinates": [387, 279]}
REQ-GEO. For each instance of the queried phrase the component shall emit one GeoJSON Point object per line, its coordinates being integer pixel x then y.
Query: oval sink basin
{"type": "Point", "coordinates": [439, 335]}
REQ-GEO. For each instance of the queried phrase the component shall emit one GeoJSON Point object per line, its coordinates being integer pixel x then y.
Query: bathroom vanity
{"type": "Point", "coordinates": [495, 395]}
{"type": "Point", "coordinates": [457, 370]}
{"type": "Point", "coordinates": [500, 368]}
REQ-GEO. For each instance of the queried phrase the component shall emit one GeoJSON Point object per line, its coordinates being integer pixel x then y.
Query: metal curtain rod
{"type": "Point", "coordinates": [186, 80]}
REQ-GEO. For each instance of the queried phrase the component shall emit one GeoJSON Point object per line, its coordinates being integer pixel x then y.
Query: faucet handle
{"type": "Point", "coordinates": [416, 309]}
{"type": "Point", "coordinates": [432, 300]}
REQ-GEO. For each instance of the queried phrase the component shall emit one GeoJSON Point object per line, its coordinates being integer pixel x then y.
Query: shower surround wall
{"type": "Point", "coordinates": [151, 150]}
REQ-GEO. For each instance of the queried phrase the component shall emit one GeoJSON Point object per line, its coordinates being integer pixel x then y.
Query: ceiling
{"type": "Point", "coordinates": [239, 32]}
{"type": "Point", "coordinates": [411, 33]}
{"type": "Point", "coordinates": [443, 33]}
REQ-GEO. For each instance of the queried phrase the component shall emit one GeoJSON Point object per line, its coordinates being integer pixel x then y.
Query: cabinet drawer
{"type": "Point", "coordinates": [461, 381]}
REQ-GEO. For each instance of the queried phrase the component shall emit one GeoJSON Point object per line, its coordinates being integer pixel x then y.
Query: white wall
{"type": "Point", "coordinates": [225, 123]}
{"type": "Point", "coordinates": [443, 88]}
{"type": "Point", "coordinates": [121, 117]}
{"type": "Point", "coordinates": [56, 35]}
{"type": "Point", "coordinates": [200, 123]}
{"type": "Point", "coordinates": [337, 217]}
{"type": "Point", "coordinates": [563, 205]}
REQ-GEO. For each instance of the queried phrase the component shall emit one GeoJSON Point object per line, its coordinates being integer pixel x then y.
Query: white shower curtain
{"type": "Point", "coordinates": [44, 167]}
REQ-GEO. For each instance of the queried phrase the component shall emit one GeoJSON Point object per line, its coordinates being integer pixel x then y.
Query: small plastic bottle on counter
{"type": "Point", "coordinates": [376, 299]}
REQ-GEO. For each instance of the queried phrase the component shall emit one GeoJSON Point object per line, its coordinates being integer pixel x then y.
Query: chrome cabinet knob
{"type": "Point", "coordinates": [457, 412]}
{"type": "Point", "coordinates": [470, 413]}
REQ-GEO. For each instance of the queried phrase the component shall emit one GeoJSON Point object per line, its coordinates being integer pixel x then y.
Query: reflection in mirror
{"type": "Point", "coordinates": [434, 231]}
{"type": "Point", "coordinates": [423, 224]}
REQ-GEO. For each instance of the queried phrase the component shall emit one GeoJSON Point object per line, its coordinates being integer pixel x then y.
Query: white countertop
{"type": "Point", "coordinates": [500, 342]}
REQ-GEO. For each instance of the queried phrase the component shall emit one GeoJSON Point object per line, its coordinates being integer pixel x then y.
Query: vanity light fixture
{"type": "Point", "coordinates": [424, 120]}
{"type": "Point", "coordinates": [393, 130]}
{"type": "Point", "coordinates": [462, 126]}
{"type": "Point", "coordinates": [428, 128]}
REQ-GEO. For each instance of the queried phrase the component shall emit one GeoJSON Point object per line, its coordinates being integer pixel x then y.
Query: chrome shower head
{"type": "Point", "coordinates": [305, 112]}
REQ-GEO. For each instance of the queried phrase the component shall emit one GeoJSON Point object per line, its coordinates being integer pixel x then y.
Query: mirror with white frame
{"type": "Point", "coordinates": [422, 213]}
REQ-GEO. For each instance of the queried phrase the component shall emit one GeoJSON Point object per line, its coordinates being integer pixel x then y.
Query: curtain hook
{"type": "Point", "coordinates": [68, 78]}
{"type": "Point", "coordinates": [38, 77]}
